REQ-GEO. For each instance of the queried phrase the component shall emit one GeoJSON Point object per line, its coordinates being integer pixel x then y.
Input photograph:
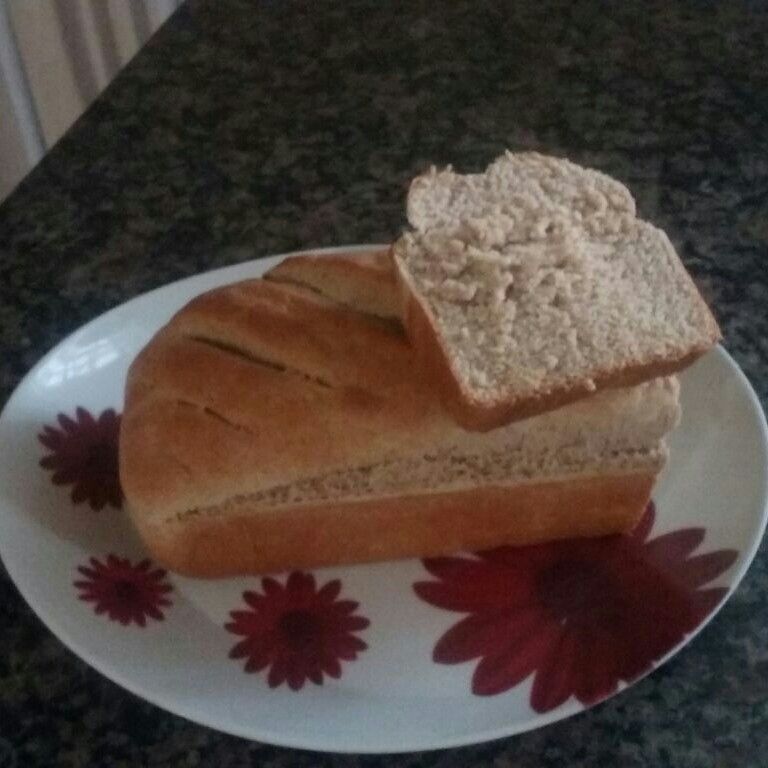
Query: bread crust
{"type": "Point", "coordinates": [361, 280]}
{"type": "Point", "coordinates": [333, 390]}
{"type": "Point", "coordinates": [249, 540]}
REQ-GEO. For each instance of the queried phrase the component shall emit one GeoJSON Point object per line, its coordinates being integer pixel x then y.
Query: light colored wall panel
{"type": "Point", "coordinates": [13, 158]}
{"type": "Point", "coordinates": [90, 36]}
{"type": "Point", "coordinates": [160, 10]}
{"type": "Point", "coordinates": [49, 70]}
{"type": "Point", "coordinates": [17, 87]}
{"type": "Point", "coordinates": [70, 50]}
{"type": "Point", "coordinates": [124, 27]}
{"type": "Point", "coordinates": [73, 48]}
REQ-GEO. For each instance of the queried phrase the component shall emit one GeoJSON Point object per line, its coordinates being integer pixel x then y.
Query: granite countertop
{"type": "Point", "coordinates": [245, 129]}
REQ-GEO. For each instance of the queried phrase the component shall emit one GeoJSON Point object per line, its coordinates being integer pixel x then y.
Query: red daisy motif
{"type": "Point", "coordinates": [582, 615]}
{"type": "Point", "coordinates": [84, 455]}
{"type": "Point", "coordinates": [125, 592]}
{"type": "Point", "coordinates": [298, 631]}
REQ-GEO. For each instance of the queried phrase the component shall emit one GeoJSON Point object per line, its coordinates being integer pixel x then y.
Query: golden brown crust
{"type": "Point", "coordinates": [435, 367]}
{"type": "Point", "coordinates": [211, 402]}
{"type": "Point", "coordinates": [362, 280]}
{"type": "Point", "coordinates": [251, 540]}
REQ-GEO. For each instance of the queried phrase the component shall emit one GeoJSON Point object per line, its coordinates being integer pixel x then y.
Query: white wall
{"type": "Point", "coordinates": [57, 56]}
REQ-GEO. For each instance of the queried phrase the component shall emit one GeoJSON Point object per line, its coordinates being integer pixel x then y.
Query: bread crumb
{"type": "Point", "coordinates": [540, 274]}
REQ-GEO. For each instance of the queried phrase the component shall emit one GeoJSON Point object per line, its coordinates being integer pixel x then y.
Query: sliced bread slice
{"type": "Point", "coordinates": [520, 302]}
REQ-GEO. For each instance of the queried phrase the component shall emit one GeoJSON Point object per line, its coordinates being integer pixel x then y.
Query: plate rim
{"type": "Point", "coordinates": [373, 746]}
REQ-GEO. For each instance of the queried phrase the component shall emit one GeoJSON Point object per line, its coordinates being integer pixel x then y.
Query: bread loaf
{"type": "Point", "coordinates": [269, 426]}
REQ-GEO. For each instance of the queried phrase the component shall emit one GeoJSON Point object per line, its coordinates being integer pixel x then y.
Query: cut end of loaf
{"type": "Point", "coordinates": [483, 410]}
{"type": "Point", "coordinates": [533, 285]}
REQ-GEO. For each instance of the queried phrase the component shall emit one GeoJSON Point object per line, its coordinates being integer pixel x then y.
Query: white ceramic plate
{"type": "Point", "coordinates": [432, 655]}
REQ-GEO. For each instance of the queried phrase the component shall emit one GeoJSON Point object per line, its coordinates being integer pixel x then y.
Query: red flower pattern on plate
{"type": "Point", "coordinates": [297, 630]}
{"type": "Point", "coordinates": [83, 453]}
{"type": "Point", "coordinates": [581, 615]}
{"type": "Point", "coordinates": [125, 592]}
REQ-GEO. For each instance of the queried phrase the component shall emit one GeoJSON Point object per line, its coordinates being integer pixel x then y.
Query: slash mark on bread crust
{"type": "Point", "coordinates": [244, 354]}
{"type": "Point", "coordinates": [214, 414]}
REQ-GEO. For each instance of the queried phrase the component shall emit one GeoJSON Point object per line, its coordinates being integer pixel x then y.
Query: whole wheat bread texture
{"type": "Point", "coordinates": [534, 284]}
{"type": "Point", "coordinates": [269, 427]}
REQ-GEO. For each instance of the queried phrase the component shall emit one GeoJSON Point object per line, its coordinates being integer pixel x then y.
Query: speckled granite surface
{"type": "Point", "coordinates": [245, 129]}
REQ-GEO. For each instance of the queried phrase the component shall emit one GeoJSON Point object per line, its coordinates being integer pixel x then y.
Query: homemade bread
{"type": "Point", "coordinates": [365, 282]}
{"type": "Point", "coordinates": [268, 427]}
{"type": "Point", "coordinates": [533, 285]}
